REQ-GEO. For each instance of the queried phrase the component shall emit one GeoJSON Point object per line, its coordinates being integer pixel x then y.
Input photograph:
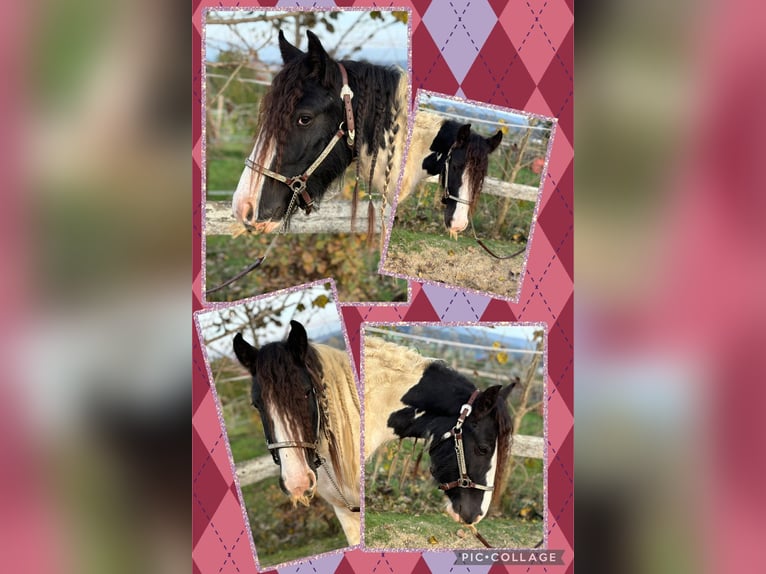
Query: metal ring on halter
{"type": "Point", "coordinates": [297, 184]}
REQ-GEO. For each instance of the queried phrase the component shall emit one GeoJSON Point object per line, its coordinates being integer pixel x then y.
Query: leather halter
{"type": "Point", "coordinates": [297, 183]}
{"type": "Point", "coordinates": [457, 431]}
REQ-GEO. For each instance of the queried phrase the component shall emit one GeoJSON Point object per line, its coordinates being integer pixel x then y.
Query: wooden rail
{"type": "Point", "coordinates": [334, 216]}
{"type": "Point", "coordinates": [258, 469]}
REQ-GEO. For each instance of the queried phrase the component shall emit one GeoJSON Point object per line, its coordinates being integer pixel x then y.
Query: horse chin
{"type": "Point", "coordinates": [456, 229]}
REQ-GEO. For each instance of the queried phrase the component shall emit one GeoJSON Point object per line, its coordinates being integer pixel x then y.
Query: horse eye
{"type": "Point", "coordinates": [304, 120]}
{"type": "Point", "coordinates": [482, 450]}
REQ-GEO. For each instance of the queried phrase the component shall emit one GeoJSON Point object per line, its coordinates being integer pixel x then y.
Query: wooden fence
{"type": "Point", "coordinates": [258, 469]}
{"type": "Point", "coordinates": [334, 216]}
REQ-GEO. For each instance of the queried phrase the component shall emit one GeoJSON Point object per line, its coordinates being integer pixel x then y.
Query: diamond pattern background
{"type": "Point", "coordinates": [517, 54]}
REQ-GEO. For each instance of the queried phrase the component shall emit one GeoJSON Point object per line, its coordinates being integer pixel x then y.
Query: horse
{"type": "Point", "coordinates": [318, 116]}
{"type": "Point", "coordinates": [460, 157]}
{"type": "Point", "coordinates": [309, 405]}
{"type": "Point", "coordinates": [469, 430]}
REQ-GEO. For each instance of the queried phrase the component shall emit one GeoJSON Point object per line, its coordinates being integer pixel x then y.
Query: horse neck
{"type": "Point", "coordinates": [389, 159]}
{"type": "Point", "coordinates": [427, 125]}
{"type": "Point", "coordinates": [389, 372]}
{"type": "Point", "coordinates": [341, 404]}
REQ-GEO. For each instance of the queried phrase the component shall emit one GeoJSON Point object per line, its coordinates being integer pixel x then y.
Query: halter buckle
{"type": "Point", "coordinates": [346, 91]}
{"type": "Point", "coordinates": [464, 482]}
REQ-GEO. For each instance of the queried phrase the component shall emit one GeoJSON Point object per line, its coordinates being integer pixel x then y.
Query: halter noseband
{"type": "Point", "coordinates": [297, 183]}
{"type": "Point", "coordinates": [457, 431]}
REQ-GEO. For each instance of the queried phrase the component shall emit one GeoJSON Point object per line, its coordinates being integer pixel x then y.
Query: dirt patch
{"type": "Point", "coordinates": [466, 267]}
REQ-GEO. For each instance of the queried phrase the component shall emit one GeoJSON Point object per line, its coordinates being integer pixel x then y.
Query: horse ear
{"type": "Point", "coordinates": [462, 135]}
{"type": "Point", "coordinates": [486, 401]}
{"type": "Point", "coordinates": [505, 392]}
{"type": "Point", "coordinates": [289, 52]}
{"type": "Point", "coordinates": [245, 352]}
{"type": "Point", "coordinates": [297, 340]}
{"type": "Point", "coordinates": [317, 54]}
{"type": "Point", "coordinates": [494, 141]}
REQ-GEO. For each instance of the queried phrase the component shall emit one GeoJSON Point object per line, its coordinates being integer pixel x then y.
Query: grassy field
{"type": "Point", "coordinates": [421, 247]}
{"type": "Point", "coordinates": [437, 530]}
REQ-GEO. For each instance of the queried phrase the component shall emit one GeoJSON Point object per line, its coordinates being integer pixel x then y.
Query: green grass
{"type": "Point", "coordinates": [282, 533]}
{"type": "Point", "coordinates": [409, 241]}
{"type": "Point", "coordinates": [437, 530]}
{"type": "Point", "coordinates": [224, 165]}
{"type": "Point", "coordinates": [425, 212]}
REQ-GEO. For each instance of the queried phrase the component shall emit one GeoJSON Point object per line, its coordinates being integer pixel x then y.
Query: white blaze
{"type": "Point", "coordinates": [460, 217]}
{"type": "Point", "coordinates": [296, 474]}
{"type": "Point", "coordinates": [248, 193]}
{"type": "Point", "coordinates": [491, 479]}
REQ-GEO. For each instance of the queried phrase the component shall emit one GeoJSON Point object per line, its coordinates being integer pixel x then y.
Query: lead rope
{"type": "Point", "coordinates": [487, 249]}
{"type": "Point", "coordinates": [322, 463]}
{"type": "Point", "coordinates": [259, 260]}
{"type": "Point", "coordinates": [478, 535]}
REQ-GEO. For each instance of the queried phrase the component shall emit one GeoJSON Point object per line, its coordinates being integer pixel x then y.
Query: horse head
{"type": "Point", "coordinates": [299, 116]}
{"type": "Point", "coordinates": [460, 158]}
{"type": "Point", "coordinates": [433, 408]}
{"type": "Point", "coordinates": [286, 379]}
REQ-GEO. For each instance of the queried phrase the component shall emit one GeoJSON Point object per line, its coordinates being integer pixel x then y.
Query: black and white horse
{"type": "Point", "coordinates": [459, 156]}
{"type": "Point", "coordinates": [406, 395]}
{"type": "Point", "coordinates": [309, 405]}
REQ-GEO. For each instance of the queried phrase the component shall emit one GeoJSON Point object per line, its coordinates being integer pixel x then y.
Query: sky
{"type": "Point", "coordinates": [483, 112]}
{"type": "Point", "coordinates": [386, 46]}
{"type": "Point", "coordinates": [317, 321]}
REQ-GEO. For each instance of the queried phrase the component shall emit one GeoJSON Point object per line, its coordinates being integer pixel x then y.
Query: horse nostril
{"type": "Point", "coordinates": [249, 213]}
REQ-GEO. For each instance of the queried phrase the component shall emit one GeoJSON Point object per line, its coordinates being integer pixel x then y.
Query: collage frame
{"type": "Point", "coordinates": [219, 524]}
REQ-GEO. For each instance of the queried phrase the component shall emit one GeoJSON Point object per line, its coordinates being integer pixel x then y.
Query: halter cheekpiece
{"type": "Point", "coordinates": [297, 183]}
{"type": "Point", "coordinates": [457, 432]}
{"type": "Point", "coordinates": [447, 195]}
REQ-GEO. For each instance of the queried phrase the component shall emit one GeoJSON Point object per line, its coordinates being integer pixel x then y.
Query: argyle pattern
{"type": "Point", "coordinates": [517, 54]}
